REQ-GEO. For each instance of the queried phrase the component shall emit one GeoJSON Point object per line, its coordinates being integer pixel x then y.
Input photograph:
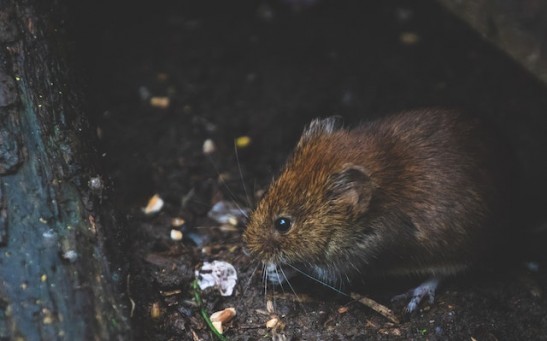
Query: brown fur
{"type": "Point", "coordinates": [417, 192]}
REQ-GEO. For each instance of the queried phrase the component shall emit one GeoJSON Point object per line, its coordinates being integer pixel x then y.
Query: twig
{"type": "Point", "coordinates": [377, 307]}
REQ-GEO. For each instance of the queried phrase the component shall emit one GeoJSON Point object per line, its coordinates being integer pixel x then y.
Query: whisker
{"type": "Point", "coordinates": [294, 291]}
{"type": "Point", "coordinates": [265, 280]}
{"type": "Point", "coordinates": [280, 282]}
{"type": "Point", "coordinates": [286, 280]}
{"type": "Point", "coordinates": [232, 194]}
{"type": "Point", "coordinates": [248, 284]}
{"type": "Point", "coordinates": [319, 281]}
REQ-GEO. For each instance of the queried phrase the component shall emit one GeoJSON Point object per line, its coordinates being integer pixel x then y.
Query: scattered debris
{"type": "Point", "coordinates": [203, 311]}
{"type": "Point", "coordinates": [272, 323]}
{"type": "Point", "coordinates": [154, 205]}
{"type": "Point", "coordinates": [404, 14]}
{"type": "Point", "coordinates": [222, 316]}
{"type": "Point", "coordinates": [343, 310]}
{"type": "Point", "coordinates": [197, 238]}
{"type": "Point", "coordinates": [160, 102]}
{"type": "Point", "coordinates": [243, 142]}
{"type": "Point", "coordinates": [170, 292]}
{"type": "Point", "coordinates": [155, 310]}
{"type": "Point", "coordinates": [96, 184]}
{"type": "Point", "coordinates": [176, 235]}
{"type": "Point", "coordinates": [377, 307]}
{"type": "Point", "coordinates": [208, 147]}
{"type": "Point", "coordinates": [269, 306]}
{"type": "Point", "coordinates": [144, 93]}
{"type": "Point", "coordinates": [532, 266]}
{"type": "Point", "coordinates": [409, 38]}
{"type": "Point", "coordinates": [70, 255]}
{"type": "Point", "coordinates": [219, 274]}
{"type": "Point", "coordinates": [162, 76]}
{"type": "Point", "coordinates": [224, 212]}
{"type": "Point", "coordinates": [177, 222]}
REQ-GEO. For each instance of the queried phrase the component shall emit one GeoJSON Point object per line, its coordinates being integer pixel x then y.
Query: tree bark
{"type": "Point", "coordinates": [55, 281]}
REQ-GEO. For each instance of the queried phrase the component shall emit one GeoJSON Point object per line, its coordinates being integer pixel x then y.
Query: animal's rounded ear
{"type": "Point", "coordinates": [321, 126]}
{"type": "Point", "coordinates": [351, 187]}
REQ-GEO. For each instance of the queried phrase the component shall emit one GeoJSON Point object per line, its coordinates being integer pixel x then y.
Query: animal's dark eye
{"type": "Point", "coordinates": [282, 224]}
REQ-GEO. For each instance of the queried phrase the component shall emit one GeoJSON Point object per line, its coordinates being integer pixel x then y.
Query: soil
{"type": "Point", "coordinates": [263, 69]}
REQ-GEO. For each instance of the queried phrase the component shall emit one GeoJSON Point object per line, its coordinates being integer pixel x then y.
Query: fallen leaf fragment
{"type": "Point", "coordinates": [377, 307]}
{"type": "Point", "coordinates": [154, 205]}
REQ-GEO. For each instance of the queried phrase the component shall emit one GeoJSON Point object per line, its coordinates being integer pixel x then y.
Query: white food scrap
{"type": "Point", "coordinates": [219, 274]}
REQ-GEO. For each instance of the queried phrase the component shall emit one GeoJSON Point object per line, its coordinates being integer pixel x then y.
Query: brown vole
{"type": "Point", "coordinates": [419, 192]}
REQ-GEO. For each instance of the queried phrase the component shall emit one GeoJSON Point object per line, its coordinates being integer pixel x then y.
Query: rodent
{"type": "Point", "coordinates": [420, 192]}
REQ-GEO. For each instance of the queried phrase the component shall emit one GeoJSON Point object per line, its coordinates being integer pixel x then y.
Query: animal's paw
{"type": "Point", "coordinates": [425, 290]}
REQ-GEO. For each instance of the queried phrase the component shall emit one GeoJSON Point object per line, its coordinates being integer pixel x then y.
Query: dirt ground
{"type": "Point", "coordinates": [166, 76]}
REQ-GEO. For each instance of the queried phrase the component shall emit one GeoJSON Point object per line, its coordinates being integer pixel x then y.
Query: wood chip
{"type": "Point", "coordinates": [377, 307]}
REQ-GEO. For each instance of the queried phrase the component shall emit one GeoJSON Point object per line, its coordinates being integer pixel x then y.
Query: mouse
{"type": "Point", "coordinates": [423, 193]}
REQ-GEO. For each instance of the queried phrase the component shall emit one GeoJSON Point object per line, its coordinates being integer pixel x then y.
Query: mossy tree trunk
{"type": "Point", "coordinates": [55, 281]}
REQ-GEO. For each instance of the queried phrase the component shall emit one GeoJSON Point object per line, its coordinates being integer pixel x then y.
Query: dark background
{"type": "Point", "coordinates": [266, 68]}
